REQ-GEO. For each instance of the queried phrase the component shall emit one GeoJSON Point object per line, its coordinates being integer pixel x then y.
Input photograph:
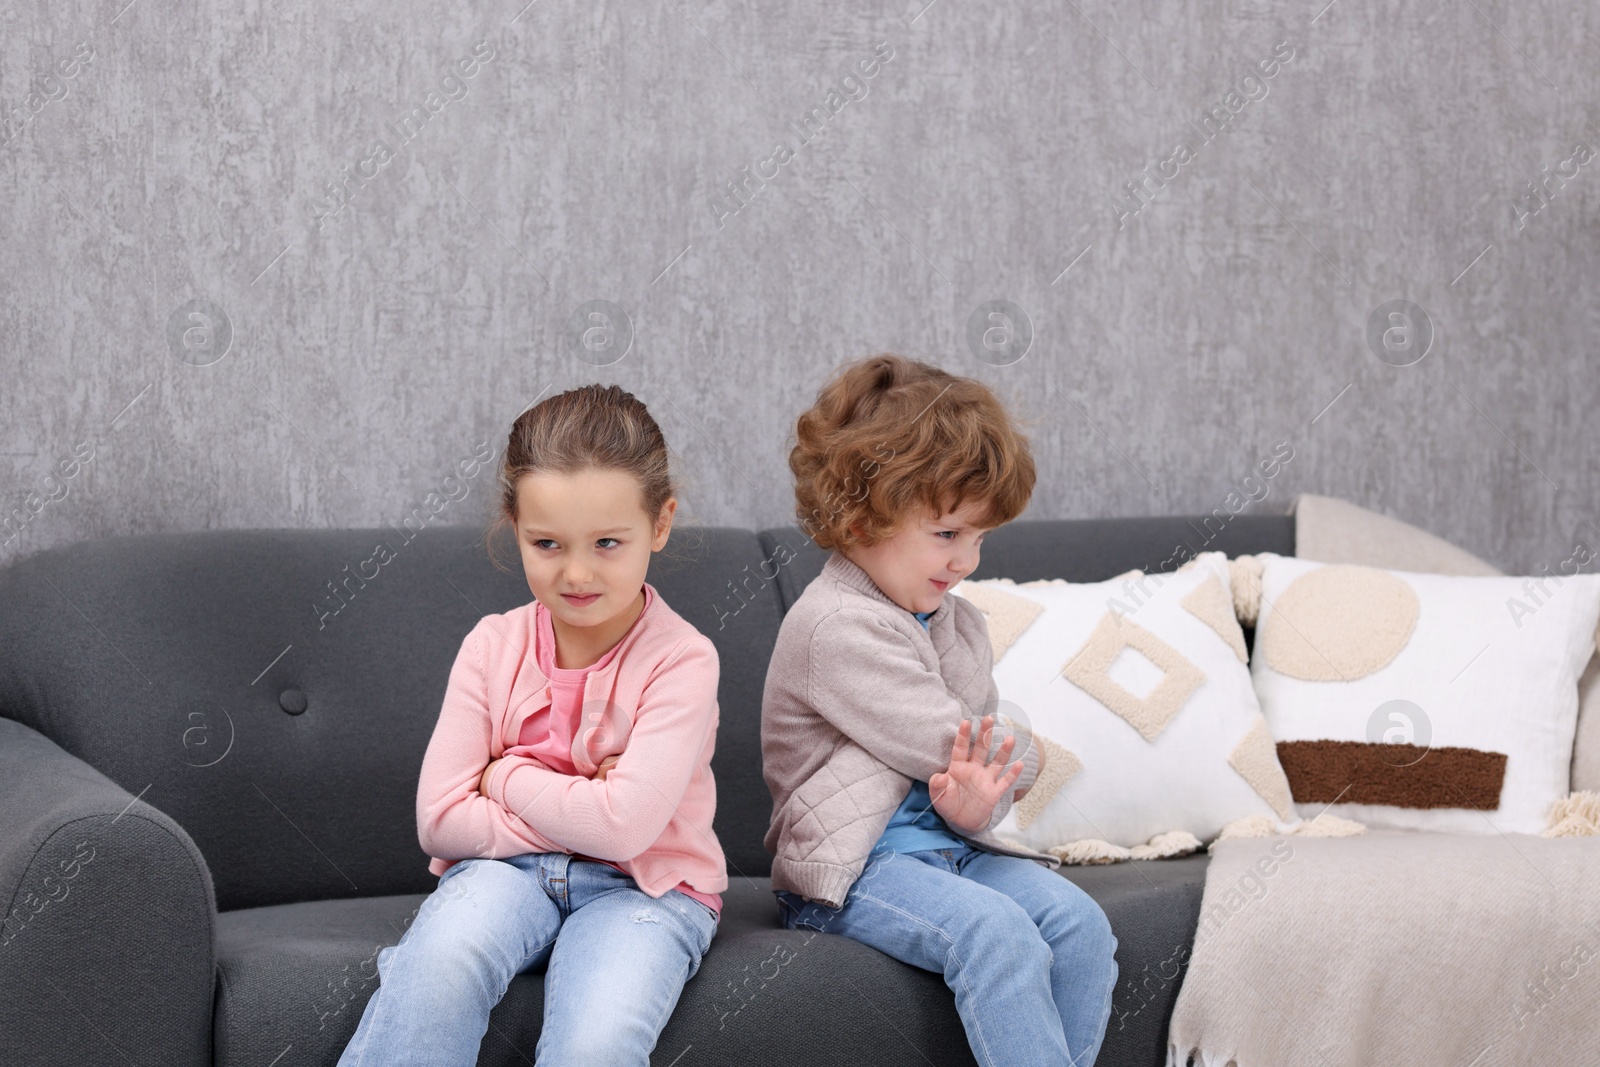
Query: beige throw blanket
{"type": "Point", "coordinates": [1394, 948]}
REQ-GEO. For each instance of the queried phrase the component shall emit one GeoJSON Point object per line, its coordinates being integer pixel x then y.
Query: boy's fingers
{"type": "Point", "coordinates": [984, 738]}
{"type": "Point", "coordinates": [963, 741]}
{"type": "Point", "coordinates": [1002, 754]}
{"type": "Point", "coordinates": [1005, 776]}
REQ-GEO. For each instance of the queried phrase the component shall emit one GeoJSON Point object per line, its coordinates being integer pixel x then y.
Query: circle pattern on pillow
{"type": "Point", "coordinates": [1339, 623]}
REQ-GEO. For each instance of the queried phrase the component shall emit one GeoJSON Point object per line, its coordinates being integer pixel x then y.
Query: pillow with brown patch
{"type": "Point", "coordinates": [1336, 531]}
{"type": "Point", "coordinates": [1422, 701]}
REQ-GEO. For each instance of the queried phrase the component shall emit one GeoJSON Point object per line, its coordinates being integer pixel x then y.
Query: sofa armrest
{"type": "Point", "coordinates": [107, 933]}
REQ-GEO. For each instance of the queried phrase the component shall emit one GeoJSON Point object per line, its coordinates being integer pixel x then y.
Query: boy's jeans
{"type": "Point", "coordinates": [1028, 955]}
{"type": "Point", "coordinates": [614, 974]}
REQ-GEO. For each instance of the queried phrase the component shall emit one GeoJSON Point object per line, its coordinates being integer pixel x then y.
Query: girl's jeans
{"type": "Point", "coordinates": [614, 973]}
{"type": "Point", "coordinates": [1028, 955]}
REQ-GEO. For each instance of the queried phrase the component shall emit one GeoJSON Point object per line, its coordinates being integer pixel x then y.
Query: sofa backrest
{"type": "Point", "coordinates": [273, 691]}
{"type": "Point", "coordinates": [1078, 550]}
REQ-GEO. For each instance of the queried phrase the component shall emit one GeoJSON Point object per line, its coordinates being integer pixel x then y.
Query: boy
{"type": "Point", "coordinates": [883, 808]}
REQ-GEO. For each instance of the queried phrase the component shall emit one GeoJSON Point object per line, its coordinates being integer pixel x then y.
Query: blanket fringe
{"type": "Point", "coordinates": [1323, 825]}
{"type": "Point", "coordinates": [1577, 815]}
{"type": "Point", "coordinates": [1092, 850]}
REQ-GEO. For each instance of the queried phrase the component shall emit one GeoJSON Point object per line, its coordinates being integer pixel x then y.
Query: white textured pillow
{"type": "Point", "coordinates": [1337, 531]}
{"type": "Point", "coordinates": [1422, 701]}
{"type": "Point", "coordinates": [1138, 692]}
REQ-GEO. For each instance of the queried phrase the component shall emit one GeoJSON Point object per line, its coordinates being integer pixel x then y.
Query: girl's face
{"type": "Point", "coordinates": [586, 543]}
{"type": "Point", "coordinates": [925, 557]}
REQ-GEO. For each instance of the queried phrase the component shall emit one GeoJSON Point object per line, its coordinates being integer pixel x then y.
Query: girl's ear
{"type": "Point", "coordinates": [664, 524]}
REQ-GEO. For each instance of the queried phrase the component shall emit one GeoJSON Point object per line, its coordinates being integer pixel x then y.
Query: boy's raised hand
{"type": "Point", "coordinates": [965, 794]}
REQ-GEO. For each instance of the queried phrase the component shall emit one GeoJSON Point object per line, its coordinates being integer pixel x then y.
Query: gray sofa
{"type": "Point", "coordinates": [208, 766]}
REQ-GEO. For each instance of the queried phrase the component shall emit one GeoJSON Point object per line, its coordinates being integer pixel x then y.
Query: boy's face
{"type": "Point", "coordinates": [925, 557]}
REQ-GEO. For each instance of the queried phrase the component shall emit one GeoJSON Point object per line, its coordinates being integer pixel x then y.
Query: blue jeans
{"type": "Point", "coordinates": [614, 972]}
{"type": "Point", "coordinates": [1028, 955]}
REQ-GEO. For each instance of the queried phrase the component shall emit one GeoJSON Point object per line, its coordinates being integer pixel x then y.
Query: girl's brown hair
{"type": "Point", "coordinates": [596, 426]}
{"type": "Point", "coordinates": [888, 436]}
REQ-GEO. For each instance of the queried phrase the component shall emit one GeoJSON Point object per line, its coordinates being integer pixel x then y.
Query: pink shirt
{"type": "Point", "coordinates": [651, 701]}
{"type": "Point", "coordinates": [547, 735]}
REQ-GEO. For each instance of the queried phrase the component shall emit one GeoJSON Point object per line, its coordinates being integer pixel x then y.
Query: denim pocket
{"type": "Point", "coordinates": [797, 911]}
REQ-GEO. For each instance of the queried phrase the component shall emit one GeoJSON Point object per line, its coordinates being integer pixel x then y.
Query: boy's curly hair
{"type": "Point", "coordinates": [888, 436]}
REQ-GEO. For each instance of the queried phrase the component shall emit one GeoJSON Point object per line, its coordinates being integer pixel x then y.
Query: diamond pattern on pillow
{"type": "Point", "coordinates": [1211, 604]}
{"type": "Point", "coordinates": [1006, 614]}
{"type": "Point", "coordinates": [1059, 766]}
{"type": "Point", "coordinates": [1168, 783]}
{"type": "Point", "coordinates": [1255, 757]}
{"type": "Point", "coordinates": [1150, 714]}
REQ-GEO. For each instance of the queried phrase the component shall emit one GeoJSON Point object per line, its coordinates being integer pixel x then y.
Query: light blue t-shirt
{"type": "Point", "coordinates": [915, 825]}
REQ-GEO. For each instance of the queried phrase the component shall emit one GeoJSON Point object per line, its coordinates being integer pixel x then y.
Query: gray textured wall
{"type": "Point", "coordinates": [1198, 270]}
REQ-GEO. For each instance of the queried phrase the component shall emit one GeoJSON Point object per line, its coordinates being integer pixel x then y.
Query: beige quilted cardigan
{"type": "Point", "coordinates": [859, 702]}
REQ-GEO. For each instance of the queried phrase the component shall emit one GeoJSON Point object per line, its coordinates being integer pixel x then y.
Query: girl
{"type": "Point", "coordinates": [566, 794]}
{"type": "Point", "coordinates": [883, 808]}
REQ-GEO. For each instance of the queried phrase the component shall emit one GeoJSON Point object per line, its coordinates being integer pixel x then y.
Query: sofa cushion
{"type": "Point", "coordinates": [298, 976]}
{"type": "Point", "coordinates": [1331, 530]}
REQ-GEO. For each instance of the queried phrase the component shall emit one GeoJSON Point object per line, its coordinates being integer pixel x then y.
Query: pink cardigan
{"type": "Point", "coordinates": [655, 704]}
